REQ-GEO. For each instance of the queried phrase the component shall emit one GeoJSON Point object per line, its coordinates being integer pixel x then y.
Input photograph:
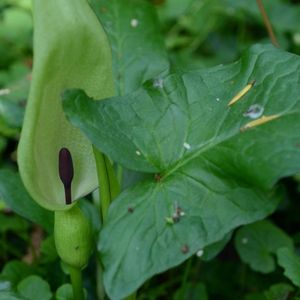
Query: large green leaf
{"type": "Point", "coordinates": [137, 46]}
{"type": "Point", "coordinates": [217, 174]}
{"type": "Point", "coordinates": [135, 37]}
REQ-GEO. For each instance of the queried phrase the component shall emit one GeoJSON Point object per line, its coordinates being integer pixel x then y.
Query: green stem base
{"type": "Point", "coordinates": [76, 281]}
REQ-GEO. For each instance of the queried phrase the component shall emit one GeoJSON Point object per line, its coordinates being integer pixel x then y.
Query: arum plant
{"type": "Point", "coordinates": [72, 231]}
{"type": "Point", "coordinates": [70, 50]}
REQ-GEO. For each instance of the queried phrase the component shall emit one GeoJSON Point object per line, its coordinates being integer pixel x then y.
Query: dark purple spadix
{"type": "Point", "coordinates": [66, 172]}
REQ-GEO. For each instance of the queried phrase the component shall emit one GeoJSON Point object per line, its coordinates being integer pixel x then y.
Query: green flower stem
{"type": "Point", "coordinates": [76, 280]}
{"type": "Point", "coordinates": [100, 287]}
{"type": "Point", "coordinates": [109, 186]}
{"type": "Point", "coordinates": [104, 185]}
{"type": "Point", "coordinates": [119, 174]}
{"type": "Point", "coordinates": [185, 277]}
{"type": "Point", "coordinates": [267, 23]}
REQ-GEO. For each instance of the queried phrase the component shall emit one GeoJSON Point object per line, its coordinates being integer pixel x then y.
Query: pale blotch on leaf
{"type": "Point", "coordinates": [138, 153]}
{"type": "Point", "coordinates": [187, 146]}
{"type": "Point", "coordinates": [218, 99]}
{"type": "Point", "coordinates": [254, 111]}
{"type": "Point", "coordinates": [244, 241]}
{"type": "Point", "coordinates": [296, 38]}
{"type": "Point", "coordinates": [134, 23]}
{"type": "Point", "coordinates": [200, 253]}
{"type": "Point", "coordinates": [4, 92]}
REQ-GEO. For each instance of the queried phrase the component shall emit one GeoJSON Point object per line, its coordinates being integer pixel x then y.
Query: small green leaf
{"type": "Point", "coordinates": [257, 244]}
{"type": "Point", "coordinates": [210, 159]}
{"type": "Point", "coordinates": [280, 291]}
{"type": "Point", "coordinates": [134, 33]}
{"type": "Point", "coordinates": [15, 271]}
{"type": "Point", "coordinates": [34, 288]}
{"type": "Point", "coordinates": [14, 194]}
{"type": "Point", "coordinates": [290, 262]}
{"type": "Point", "coordinates": [64, 292]}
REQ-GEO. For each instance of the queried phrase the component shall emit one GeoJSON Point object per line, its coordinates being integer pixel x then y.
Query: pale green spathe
{"type": "Point", "coordinates": [70, 51]}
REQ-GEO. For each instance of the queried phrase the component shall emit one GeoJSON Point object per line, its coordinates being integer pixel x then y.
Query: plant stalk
{"type": "Point", "coordinates": [104, 185]}
{"type": "Point", "coordinates": [109, 188]}
{"type": "Point", "coordinates": [267, 23]}
{"type": "Point", "coordinates": [100, 288]}
{"type": "Point", "coordinates": [76, 281]}
{"type": "Point", "coordinates": [185, 277]}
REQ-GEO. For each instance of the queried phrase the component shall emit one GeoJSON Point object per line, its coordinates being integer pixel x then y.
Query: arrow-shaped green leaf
{"type": "Point", "coordinates": [216, 167]}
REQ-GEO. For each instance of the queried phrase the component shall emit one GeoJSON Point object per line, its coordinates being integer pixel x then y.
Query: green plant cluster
{"type": "Point", "coordinates": [196, 147]}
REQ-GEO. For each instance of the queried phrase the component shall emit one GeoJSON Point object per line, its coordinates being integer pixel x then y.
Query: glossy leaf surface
{"type": "Point", "coordinates": [213, 162]}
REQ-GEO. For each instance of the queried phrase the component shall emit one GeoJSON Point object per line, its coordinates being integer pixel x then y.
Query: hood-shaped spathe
{"type": "Point", "coordinates": [71, 50]}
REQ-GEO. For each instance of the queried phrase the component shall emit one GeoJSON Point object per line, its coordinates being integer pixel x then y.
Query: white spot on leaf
{"type": "Point", "coordinates": [296, 38]}
{"type": "Point", "coordinates": [200, 253]}
{"type": "Point", "coordinates": [4, 92]}
{"type": "Point", "coordinates": [134, 23]}
{"type": "Point", "coordinates": [138, 153]}
{"type": "Point", "coordinates": [158, 83]}
{"type": "Point", "coordinates": [187, 146]}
